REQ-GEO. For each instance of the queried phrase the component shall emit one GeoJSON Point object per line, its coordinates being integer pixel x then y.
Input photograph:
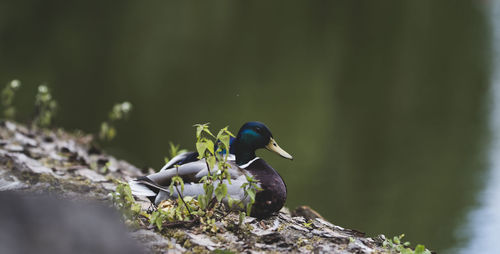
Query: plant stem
{"type": "Point", "coordinates": [208, 167]}
{"type": "Point", "coordinates": [182, 198]}
{"type": "Point", "coordinates": [180, 195]}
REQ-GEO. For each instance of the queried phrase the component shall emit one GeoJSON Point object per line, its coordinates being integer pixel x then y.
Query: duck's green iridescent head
{"type": "Point", "coordinates": [253, 136]}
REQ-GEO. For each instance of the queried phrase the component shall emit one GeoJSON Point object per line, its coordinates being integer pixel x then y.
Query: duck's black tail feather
{"type": "Point", "coordinates": [143, 186]}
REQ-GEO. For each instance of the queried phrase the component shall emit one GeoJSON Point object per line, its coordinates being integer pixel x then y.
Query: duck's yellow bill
{"type": "Point", "coordinates": [273, 146]}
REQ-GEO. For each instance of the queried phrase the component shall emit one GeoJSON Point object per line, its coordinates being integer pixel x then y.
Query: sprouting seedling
{"type": "Point", "coordinates": [174, 151]}
{"type": "Point", "coordinates": [123, 200]}
{"type": "Point", "coordinates": [120, 111]}
{"type": "Point", "coordinates": [45, 107]}
{"type": "Point", "coordinates": [396, 244]}
{"type": "Point", "coordinates": [214, 150]}
{"type": "Point", "coordinates": [217, 154]}
{"type": "Point", "coordinates": [8, 93]}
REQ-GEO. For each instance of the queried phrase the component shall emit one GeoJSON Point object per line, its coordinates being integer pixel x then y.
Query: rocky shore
{"type": "Point", "coordinates": [69, 166]}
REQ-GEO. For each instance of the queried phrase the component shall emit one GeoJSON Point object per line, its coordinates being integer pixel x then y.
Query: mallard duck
{"type": "Point", "coordinates": [243, 161]}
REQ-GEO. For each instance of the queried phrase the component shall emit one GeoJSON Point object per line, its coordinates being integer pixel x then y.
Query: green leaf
{"type": "Point", "coordinates": [110, 134]}
{"type": "Point", "coordinates": [241, 218]}
{"type": "Point", "coordinates": [174, 149]}
{"type": "Point", "coordinates": [209, 192]}
{"type": "Point", "coordinates": [251, 194]}
{"type": "Point", "coordinates": [211, 162]}
{"type": "Point", "coordinates": [221, 132]}
{"type": "Point", "coordinates": [224, 139]}
{"type": "Point", "coordinates": [228, 176]}
{"type": "Point", "coordinates": [404, 251]}
{"type": "Point", "coordinates": [199, 129]}
{"type": "Point", "coordinates": [159, 223]}
{"type": "Point", "coordinates": [218, 153]}
{"type": "Point", "coordinates": [154, 217]}
{"type": "Point", "coordinates": [249, 208]}
{"type": "Point", "coordinates": [201, 147]}
{"type": "Point", "coordinates": [241, 205]}
{"type": "Point", "coordinates": [104, 130]}
{"type": "Point", "coordinates": [171, 187]}
{"type": "Point", "coordinates": [396, 240]}
{"type": "Point", "coordinates": [230, 202]}
{"type": "Point", "coordinates": [230, 133]}
{"type": "Point", "coordinates": [210, 146]}
{"type": "Point", "coordinates": [206, 130]}
{"type": "Point", "coordinates": [202, 201]}
{"type": "Point", "coordinates": [178, 180]}
{"type": "Point", "coordinates": [220, 191]}
{"type": "Point", "coordinates": [420, 249]}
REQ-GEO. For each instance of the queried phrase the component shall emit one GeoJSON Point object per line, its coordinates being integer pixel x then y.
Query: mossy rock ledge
{"type": "Point", "coordinates": [68, 165]}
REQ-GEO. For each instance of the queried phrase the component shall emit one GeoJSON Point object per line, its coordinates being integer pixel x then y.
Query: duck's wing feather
{"type": "Point", "coordinates": [234, 191]}
{"type": "Point", "coordinates": [161, 180]}
{"type": "Point", "coordinates": [185, 158]}
{"type": "Point", "coordinates": [180, 159]}
{"type": "Point", "coordinates": [191, 173]}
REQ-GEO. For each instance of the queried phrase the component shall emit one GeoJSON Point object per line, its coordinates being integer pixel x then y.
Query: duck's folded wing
{"type": "Point", "coordinates": [191, 172]}
{"type": "Point", "coordinates": [161, 180]}
{"type": "Point", "coordinates": [234, 190]}
{"type": "Point", "coordinates": [180, 159]}
{"type": "Point", "coordinates": [185, 158]}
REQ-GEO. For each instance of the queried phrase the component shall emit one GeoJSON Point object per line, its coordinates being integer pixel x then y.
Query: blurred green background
{"type": "Point", "coordinates": [383, 104]}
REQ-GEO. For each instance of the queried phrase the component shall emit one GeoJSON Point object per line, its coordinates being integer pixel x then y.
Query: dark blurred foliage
{"type": "Point", "coordinates": [383, 104]}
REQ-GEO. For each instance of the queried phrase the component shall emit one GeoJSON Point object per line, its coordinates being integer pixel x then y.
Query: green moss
{"type": "Point", "coordinates": [281, 227]}
{"type": "Point", "coordinates": [187, 244]}
{"type": "Point", "coordinates": [300, 242]}
{"type": "Point", "coordinates": [199, 249]}
{"type": "Point", "coordinates": [80, 188]}
{"type": "Point", "coordinates": [179, 235]}
{"type": "Point", "coordinates": [220, 238]}
{"type": "Point", "coordinates": [218, 251]}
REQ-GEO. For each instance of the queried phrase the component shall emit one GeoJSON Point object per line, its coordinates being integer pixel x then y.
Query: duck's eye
{"type": "Point", "coordinates": [257, 129]}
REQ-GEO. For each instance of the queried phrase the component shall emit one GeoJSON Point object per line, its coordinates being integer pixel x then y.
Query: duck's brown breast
{"type": "Point", "coordinates": [272, 197]}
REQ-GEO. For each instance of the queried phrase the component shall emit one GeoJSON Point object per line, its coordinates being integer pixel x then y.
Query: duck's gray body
{"type": "Point", "coordinates": [270, 199]}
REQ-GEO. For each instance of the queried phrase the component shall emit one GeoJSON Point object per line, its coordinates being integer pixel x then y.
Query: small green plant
{"type": "Point", "coordinates": [45, 107]}
{"type": "Point", "coordinates": [8, 93]}
{"type": "Point", "coordinates": [220, 251]}
{"type": "Point", "coordinates": [219, 154]}
{"type": "Point", "coordinates": [124, 201]}
{"type": "Point", "coordinates": [169, 212]}
{"type": "Point", "coordinates": [120, 111]}
{"type": "Point", "coordinates": [396, 245]}
{"type": "Point", "coordinates": [206, 208]}
{"type": "Point", "coordinates": [308, 224]}
{"type": "Point", "coordinates": [174, 151]}
{"type": "Point", "coordinates": [351, 239]}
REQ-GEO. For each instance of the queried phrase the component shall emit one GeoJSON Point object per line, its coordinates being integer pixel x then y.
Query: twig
{"type": "Point", "coordinates": [211, 203]}
{"type": "Point", "coordinates": [181, 223]}
{"type": "Point", "coordinates": [208, 167]}
{"type": "Point", "coordinates": [182, 198]}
